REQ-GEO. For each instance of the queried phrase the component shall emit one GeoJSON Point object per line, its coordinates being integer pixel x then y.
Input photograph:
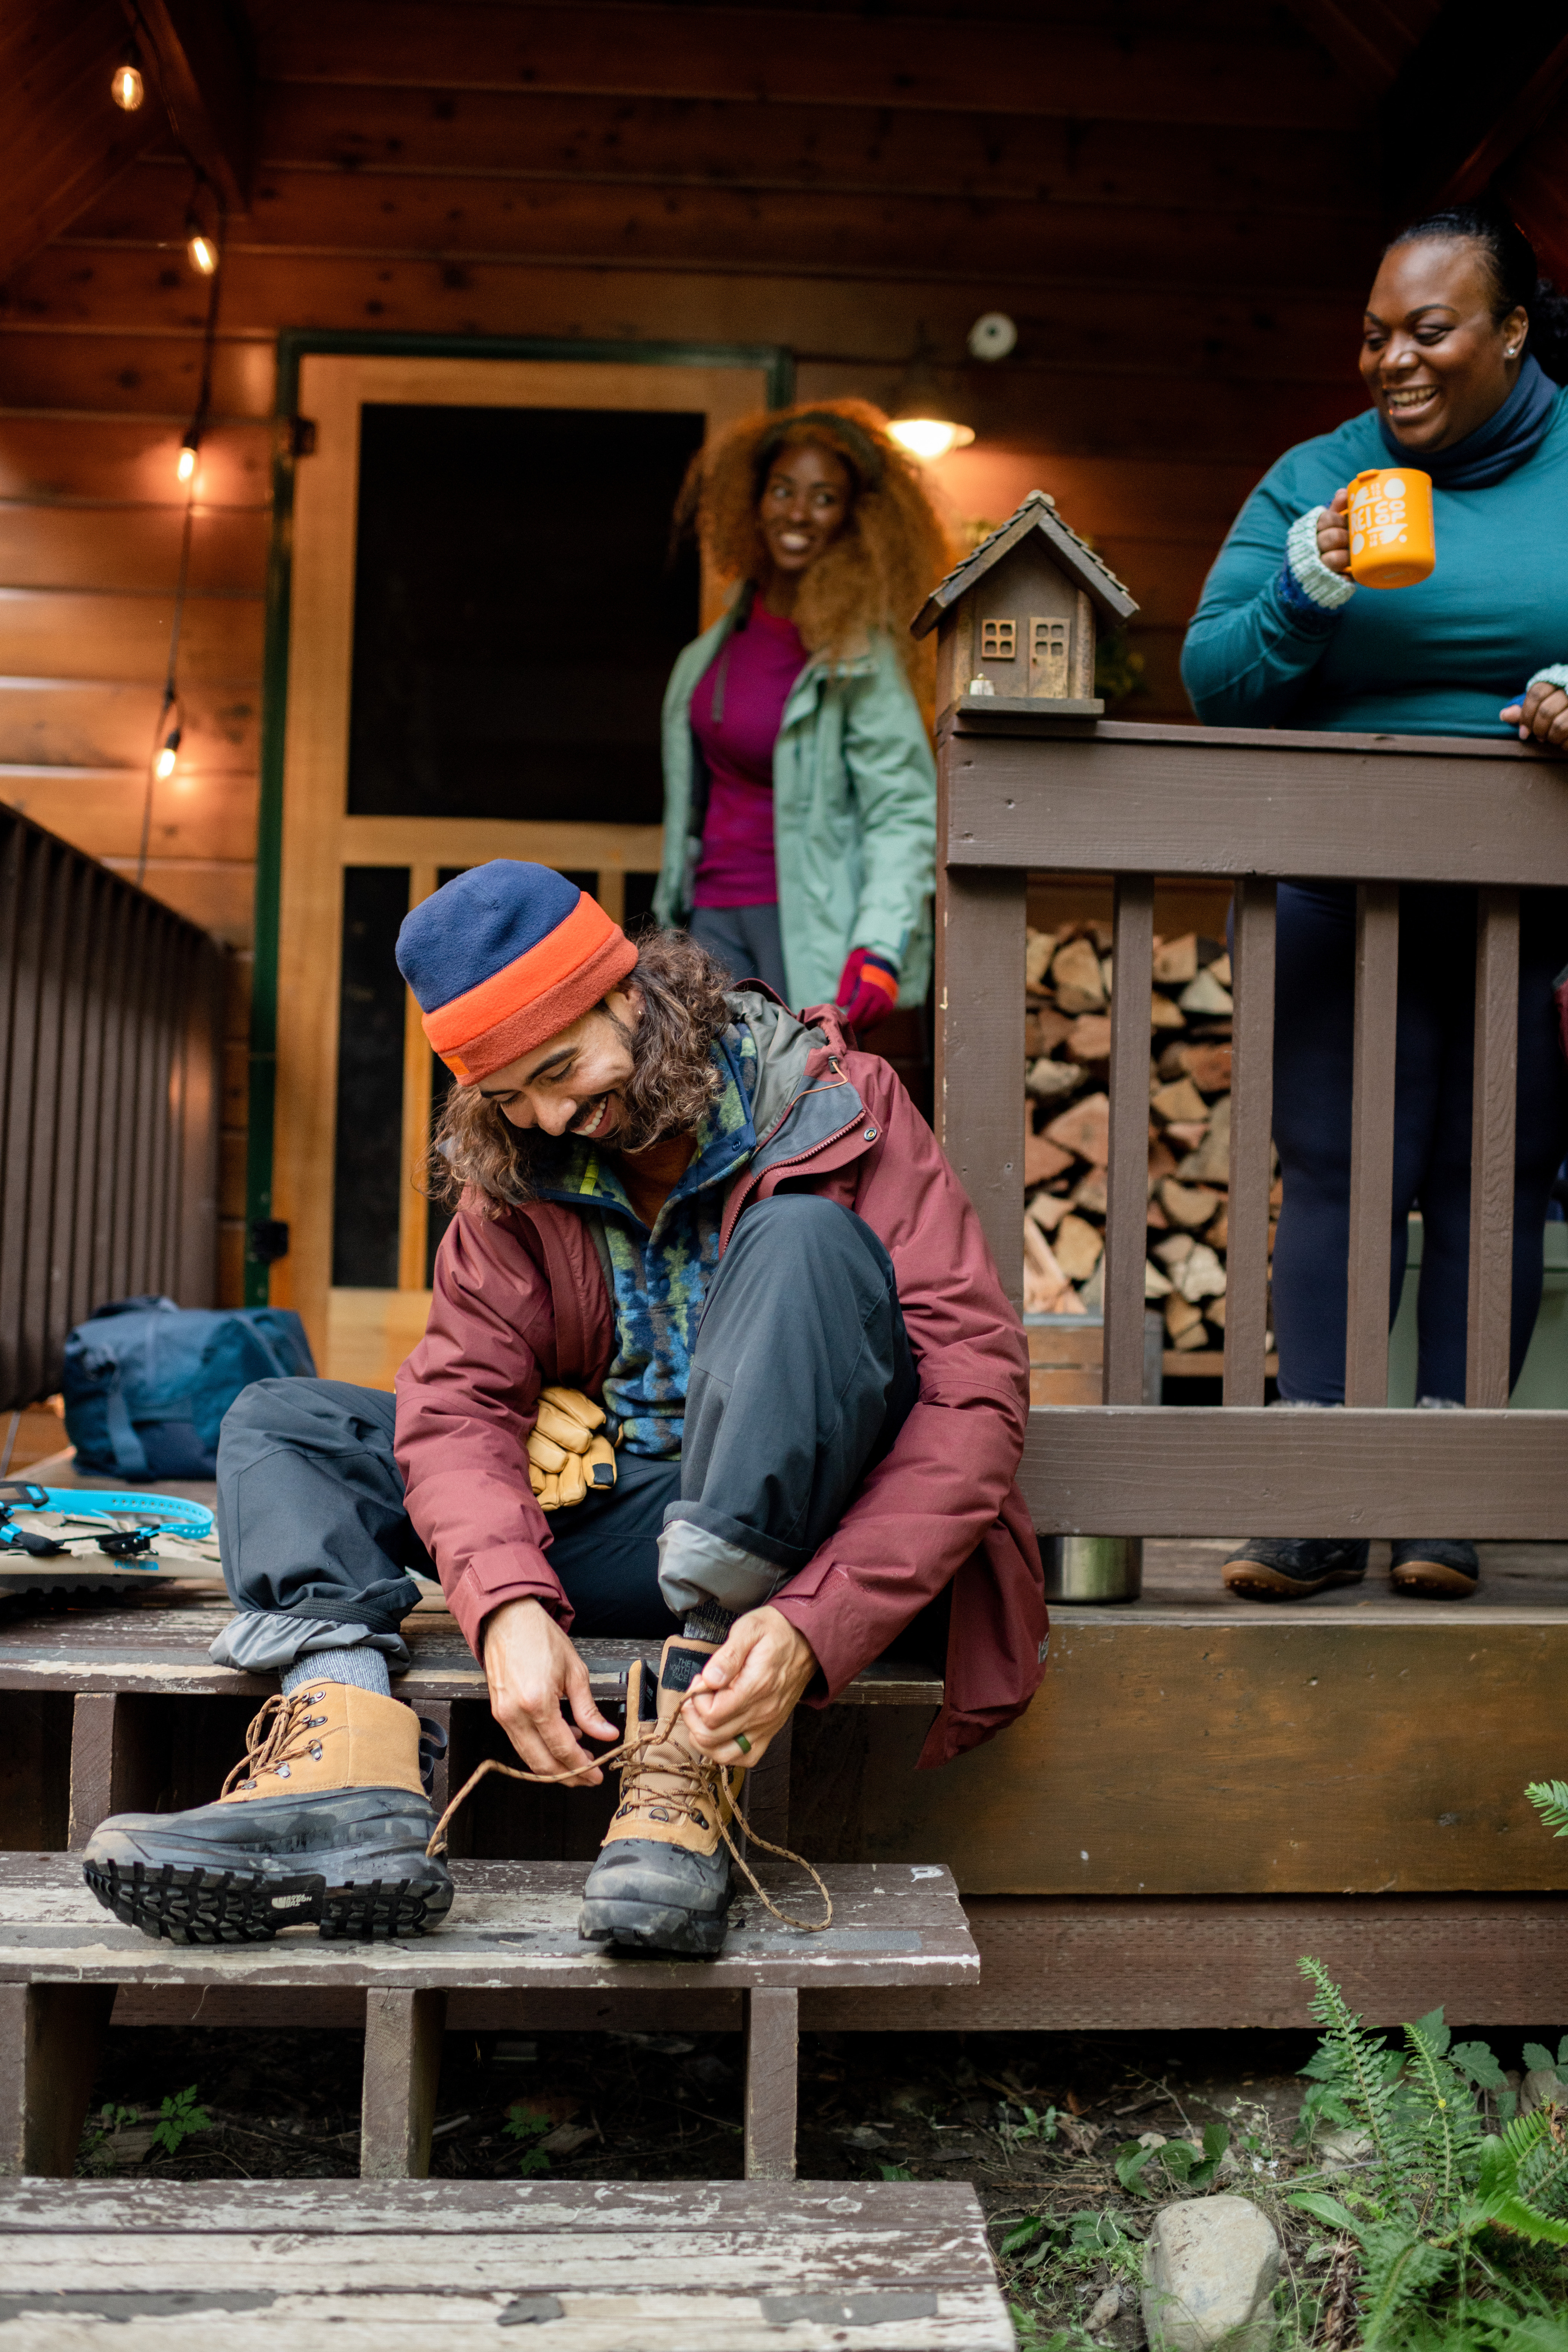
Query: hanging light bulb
{"type": "Point", "coordinates": [163, 765]}
{"type": "Point", "coordinates": [919, 422]}
{"type": "Point", "coordinates": [200, 250]}
{"type": "Point", "coordinates": [127, 89]}
{"type": "Point", "coordinates": [185, 466]}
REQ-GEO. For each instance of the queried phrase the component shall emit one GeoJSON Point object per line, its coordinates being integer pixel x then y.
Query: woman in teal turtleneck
{"type": "Point", "coordinates": [1464, 349]}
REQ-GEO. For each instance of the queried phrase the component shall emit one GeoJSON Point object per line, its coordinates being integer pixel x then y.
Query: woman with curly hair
{"type": "Point", "coordinates": [799, 788]}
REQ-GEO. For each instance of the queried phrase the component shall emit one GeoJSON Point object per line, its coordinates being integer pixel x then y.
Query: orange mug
{"type": "Point", "coordinates": [1390, 527]}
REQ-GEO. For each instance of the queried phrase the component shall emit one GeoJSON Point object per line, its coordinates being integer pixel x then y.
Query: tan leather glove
{"type": "Point", "coordinates": [567, 1452]}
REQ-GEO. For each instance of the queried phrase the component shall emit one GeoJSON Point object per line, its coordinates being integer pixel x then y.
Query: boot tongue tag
{"type": "Point", "coordinates": [681, 1667]}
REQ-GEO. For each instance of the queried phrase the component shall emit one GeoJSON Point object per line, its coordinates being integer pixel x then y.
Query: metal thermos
{"type": "Point", "coordinates": [1089, 1569]}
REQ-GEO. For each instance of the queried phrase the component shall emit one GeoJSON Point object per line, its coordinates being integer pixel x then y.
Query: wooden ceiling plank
{"type": "Point", "coordinates": [763, 57]}
{"type": "Point", "coordinates": [209, 82]}
{"type": "Point", "coordinates": [1482, 82]}
{"type": "Point", "coordinates": [1365, 41]}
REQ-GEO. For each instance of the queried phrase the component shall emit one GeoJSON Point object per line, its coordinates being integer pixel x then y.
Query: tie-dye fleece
{"type": "Point", "coordinates": [661, 1277]}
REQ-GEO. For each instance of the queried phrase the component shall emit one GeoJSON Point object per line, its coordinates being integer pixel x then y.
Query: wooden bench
{"type": "Point", "coordinates": [512, 1929]}
{"type": "Point", "coordinates": [632, 2266]}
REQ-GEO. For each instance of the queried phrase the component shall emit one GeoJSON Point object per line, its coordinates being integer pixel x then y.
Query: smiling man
{"type": "Point", "coordinates": [721, 1236]}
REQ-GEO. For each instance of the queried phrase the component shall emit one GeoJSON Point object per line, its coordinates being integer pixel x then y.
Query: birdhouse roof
{"type": "Point", "coordinates": [1038, 512]}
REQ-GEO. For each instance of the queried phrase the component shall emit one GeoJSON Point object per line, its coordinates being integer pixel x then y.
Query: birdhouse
{"type": "Point", "coordinates": [1016, 620]}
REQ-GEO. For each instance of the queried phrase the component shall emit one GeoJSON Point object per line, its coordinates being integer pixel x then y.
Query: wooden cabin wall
{"type": "Point", "coordinates": [1175, 204]}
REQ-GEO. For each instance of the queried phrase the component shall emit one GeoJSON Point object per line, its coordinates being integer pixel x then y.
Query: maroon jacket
{"type": "Point", "coordinates": [522, 1301]}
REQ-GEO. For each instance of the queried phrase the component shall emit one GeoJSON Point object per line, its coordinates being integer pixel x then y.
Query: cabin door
{"type": "Point", "coordinates": [484, 610]}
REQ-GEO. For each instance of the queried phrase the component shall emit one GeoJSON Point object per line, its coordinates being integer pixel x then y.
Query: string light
{"type": "Point", "coordinates": [185, 466]}
{"type": "Point", "coordinates": [127, 89]}
{"type": "Point", "coordinates": [163, 765]}
{"type": "Point", "coordinates": [200, 250]}
{"type": "Point", "coordinates": [919, 422]}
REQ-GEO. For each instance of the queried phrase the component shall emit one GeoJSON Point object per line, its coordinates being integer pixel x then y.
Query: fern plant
{"type": "Point", "coordinates": [1550, 1799]}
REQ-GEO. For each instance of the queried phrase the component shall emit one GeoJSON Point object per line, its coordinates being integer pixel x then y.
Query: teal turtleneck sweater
{"type": "Point", "coordinates": [1440, 658]}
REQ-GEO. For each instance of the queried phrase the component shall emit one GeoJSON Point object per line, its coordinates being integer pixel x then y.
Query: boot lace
{"type": "Point", "coordinates": [685, 1784]}
{"type": "Point", "coordinates": [281, 1733]}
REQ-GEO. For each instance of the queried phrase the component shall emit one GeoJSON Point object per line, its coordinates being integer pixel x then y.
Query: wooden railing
{"type": "Point", "coordinates": [110, 1032]}
{"type": "Point", "coordinates": [1144, 802]}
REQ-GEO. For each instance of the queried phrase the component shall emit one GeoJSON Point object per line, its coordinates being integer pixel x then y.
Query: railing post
{"type": "Point", "coordinates": [1127, 1185]}
{"type": "Point", "coordinates": [1372, 1142]}
{"type": "Point", "coordinates": [1492, 1123]}
{"type": "Point", "coordinates": [980, 1050]}
{"type": "Point", "coordinates": [1251, 1141]}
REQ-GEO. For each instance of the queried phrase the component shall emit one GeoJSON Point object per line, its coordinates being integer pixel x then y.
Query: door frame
{"type": "Point", "coordinates": [775, 362]}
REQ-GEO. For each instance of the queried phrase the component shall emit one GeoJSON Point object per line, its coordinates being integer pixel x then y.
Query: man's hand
{"type": "Point", "coordinates": [1542, 714]}
{"type": "Point", "coordinates": [1334, 534]}
{"type": "Point", "coordinates": [753, 1684]}
{"type": "Point", "coordinates": [530, 1667]}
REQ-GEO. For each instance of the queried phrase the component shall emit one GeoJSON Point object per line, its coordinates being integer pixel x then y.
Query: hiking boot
{"type": "Point", "coordinates": [661, 1882]}
{"type": "Point", "coordinates": [1287, 1568]}
{"type": "Point", "coordinates": [326, 1820]}
{"type": "Point", "coordinates": [1439, 1570]}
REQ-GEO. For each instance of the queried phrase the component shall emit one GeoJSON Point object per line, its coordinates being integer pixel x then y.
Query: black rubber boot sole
{"type": "Point", "coordinates": [1260, 1576]}
{"type": "Point", "coordinates": [191, 1905]}
{"type": "Point", "coordinates": [652, 1928]}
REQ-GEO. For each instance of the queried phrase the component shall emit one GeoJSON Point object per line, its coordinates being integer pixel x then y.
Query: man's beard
{"type": "Point", "coordinates": [672, 1082]}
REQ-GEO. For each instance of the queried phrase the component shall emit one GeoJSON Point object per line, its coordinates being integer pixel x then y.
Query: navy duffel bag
{"type": "Point", "coordinates": [147, 1382]}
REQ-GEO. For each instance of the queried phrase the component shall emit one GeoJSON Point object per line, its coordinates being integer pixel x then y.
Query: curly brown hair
{"type": "Point", "coordinates": [883, 564]}
{"type": "Point", "coordinates": [477, 1154]}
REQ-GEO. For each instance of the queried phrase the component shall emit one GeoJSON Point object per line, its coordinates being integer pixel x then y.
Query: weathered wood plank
{"type": "Point", "coordinates": [979, 1053]}
{"type": "Point", "coordinates": [111, 1764]}
{"type": "Point", "coordinates": [1493, 1118]}
{"type": "Point", "coordinates": [1223, 1470]}
{"type": "Point", "coordinates": [403, 2031]}
{"type": "Point", "coordinates": [51, 2037]}
{"type": "Point", "coordinates": [772, 2059]}
{"type": "Point", "coordinates": [1212, 801]}
{"type": "Point", "coordinates": [513, 1923]}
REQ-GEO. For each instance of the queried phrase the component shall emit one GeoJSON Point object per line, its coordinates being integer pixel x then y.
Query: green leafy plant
{"type": "Point", "coordinates": [1550, 1799]}
{"type": "Point", "coordinates": [895, 2173]}
{"type": "Point", "coordinates": [1117, 671]}
{"type": "Point", "coordinates": [1035, 2126]}
{"type": "Point", "coordinates": [1176, 2163]}
{"type": "Point", "coordinates": [178, 2118]}
{"type": "Point", "coordinates": [527, 2125]}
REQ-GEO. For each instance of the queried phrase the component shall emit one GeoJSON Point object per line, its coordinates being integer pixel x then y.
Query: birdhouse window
{"type": "Point", "coordinates": [998, 640]}
{"type": "Point", "coordinates": [1048, 660]}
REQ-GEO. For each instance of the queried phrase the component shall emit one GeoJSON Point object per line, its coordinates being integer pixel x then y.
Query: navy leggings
{"type": "Point", "coordinates": [1314, 1003]}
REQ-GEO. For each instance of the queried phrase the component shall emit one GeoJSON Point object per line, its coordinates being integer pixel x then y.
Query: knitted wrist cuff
{"type": "Point", "coordinates": [1555, 674]}
{"type": "Point", "coordinates": [1328, 589]}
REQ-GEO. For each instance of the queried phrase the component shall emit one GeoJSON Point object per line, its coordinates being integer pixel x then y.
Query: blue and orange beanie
{"type": "Point", "coordinates": [503, 957]}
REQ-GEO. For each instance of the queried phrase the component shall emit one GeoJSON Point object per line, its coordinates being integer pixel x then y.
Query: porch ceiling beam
{"type": "Point", "coordinates": [1482, 82]}
{"type": "Point", "coordinates": [1365, 39]}
{"type": "Point", "coordinates": [208, 77]}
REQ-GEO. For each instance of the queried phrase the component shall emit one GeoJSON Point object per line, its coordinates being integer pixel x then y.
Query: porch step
{"type": "Point", "coordinates": [636, 2266]}
{"type": "Point", "coordinates": [512, 1928]}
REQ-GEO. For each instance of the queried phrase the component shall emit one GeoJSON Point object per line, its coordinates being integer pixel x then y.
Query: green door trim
{"type": "Point", "coordinates": [294, 344]}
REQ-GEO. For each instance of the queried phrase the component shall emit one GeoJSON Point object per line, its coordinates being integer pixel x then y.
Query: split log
{"type": "Point", "coordinates": [1089, 1039]}
{"type": "Point", "coordinates": [1078, 1247]}
{"type": "Point", "coordinates": [1085, 1131]}
{"type": "Point", "coordinates": [1206, 996]}
{"type": "Point", "coordinates": [1221, 971]}
{"type": "Point", "coordinates": [1156, 1283]}
{"type": "Point", "coordinates": [1209, 1162]}
{"type": "Point", "coordinates": [1184, 1135]}
{"type": "Point", "coordinates": [1047, 1210]}
{"type": "Point", "coordinates": [1042, 1160]}
{"type": "Point", "coordinates": [1187, 1204]}
{"type": "Point", "coordinates": [1181, 1318]}
{"type": "Point", "coordinates": [1163, 1014]}
{"type": "Point", "coordinates": [1161, 1162]}
{"type": "Point", "coordinates": [1039, 948]}
{"type": "Point", "coordinates": [1091, 1193]}
{"type": "Point", "coordinates": [1171, 1252]}
{"type": "Point", "coordinates": [1050, 1081]}
{"type": "Point", "coordinates": [1044, 1029]}
{"type": "Point", "coordinates": [1180, 1100]}
{"type": "Point", "coordinates": [1078, 978]}
{"type": "Point", "coordinates": [1047, 1290]}
{"type": "Point", "coordinates": [1199, 1274]}
{"type": "Point", "coordinates": [1208, 1067]}
{"type": "Point", "coordinates": [1176, 960]}
{"type": "Point", "coordinates": [1157, 1218]}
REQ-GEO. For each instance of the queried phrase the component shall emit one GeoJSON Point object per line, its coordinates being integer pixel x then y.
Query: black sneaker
{"type": "Point", "coordinates": [325, 1822]}
{"type": "Point", "coordinates": [1439, 1570]}
{"type": "Point", "coordinates": [1287, 1568]}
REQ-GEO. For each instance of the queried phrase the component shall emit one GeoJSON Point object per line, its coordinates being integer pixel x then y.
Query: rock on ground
{"type": "Point", "coordinates": [1210, 2267]}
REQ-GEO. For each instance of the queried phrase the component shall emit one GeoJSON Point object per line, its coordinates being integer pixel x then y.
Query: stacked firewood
{"type": "Point", "coordinates": [1067, 1111]}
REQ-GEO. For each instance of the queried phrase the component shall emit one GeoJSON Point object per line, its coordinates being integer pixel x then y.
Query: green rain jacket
{"type": "Point", "coordinates": [853, 814]}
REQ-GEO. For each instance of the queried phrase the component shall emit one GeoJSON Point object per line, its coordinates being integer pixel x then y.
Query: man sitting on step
{"type": "Point", "coordinates": [739, 1235]}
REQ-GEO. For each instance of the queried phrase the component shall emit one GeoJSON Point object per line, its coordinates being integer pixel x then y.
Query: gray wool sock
{"type": "Point", "coordinates": [364, 1668]}
{"type": "Point", "coordinates": [709, 1623]}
